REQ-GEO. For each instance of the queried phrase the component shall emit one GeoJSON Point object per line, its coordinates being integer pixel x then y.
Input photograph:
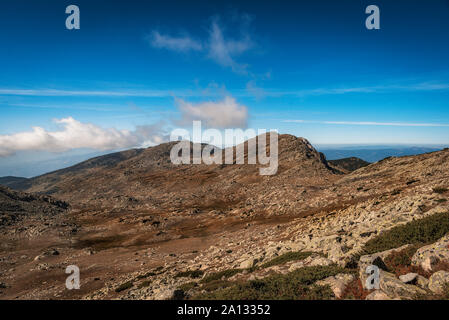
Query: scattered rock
{"type": "Point", "coordinates": [164, 294]}
{"type": "Point", "coordinates": [377, 295]}
{"type": "Point", "coordinates": [337, 283]}
{"type": "Point", "coordinates": [408, 278]}
{"type": "Point", "coordinates": [422, 282]}
{"type": "Point", "coordinates": [249, 263]}
{"type": "Point", "coordinates": [428, 256]}
{"type": "Point", "coordinates": [395, 288]}
{"type": "Point", "coordinates": [374, 259]}
{"type": "Point", "coordinates": [438, 281]}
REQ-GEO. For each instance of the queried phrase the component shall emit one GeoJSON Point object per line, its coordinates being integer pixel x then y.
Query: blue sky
{"type": "Point", "coordinates": [308, 68]}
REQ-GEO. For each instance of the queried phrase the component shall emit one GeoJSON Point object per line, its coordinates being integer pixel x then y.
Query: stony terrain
{"type": "Point", "coordinates": [140, 227]}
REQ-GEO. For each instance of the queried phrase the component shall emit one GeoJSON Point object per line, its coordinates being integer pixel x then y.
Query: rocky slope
{"type": "Point", "coordinates": [147, 229]}
{"type": "Point", "coordinates": [16, 206]}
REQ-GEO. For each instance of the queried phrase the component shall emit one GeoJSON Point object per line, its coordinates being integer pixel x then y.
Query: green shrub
{"type": "Point", "coordinates": [146, 275]}
{"type": "Point", "coordinates": [124, 286]}
{"type": "Point", "coordinates": [439, 190]}
{"type": "Point", "coordinates": [144, 284]}
{"type": "Point", "coordinates": [219, 275]}
{"type": "Point", "coordinates": [178, 295]}
{"type": "Point", "coordinates": [286, 257]}
{"type": "Point", "coordinates": [190, 274]}
{"type": "Point", "coordinates": [216, 285]}
{"type": "Point", "coordinates": [401, 258]}
{"type": "Point", "coordinates": [422, 231]}
{"type": "Point", "coordinates": [294, 285]}
{"type": "Point", "coordinates": [188, 286]}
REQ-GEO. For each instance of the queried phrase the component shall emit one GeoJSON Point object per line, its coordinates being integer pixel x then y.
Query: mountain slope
{"type": "Point", "coordinates": [349, 164]}
{"type": "Point", "coordinates": [16, 205]}
{"type": "Point", "coordinates": [149, 177]}
{"type": "Point", "coordinates": [17, 183]}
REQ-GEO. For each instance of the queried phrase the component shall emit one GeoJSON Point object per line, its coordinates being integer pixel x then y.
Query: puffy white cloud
{"type": "Point", "coordinates": [182, 44]}
{"type": "Point", "coordinates": [75, 134]}
{"type": "Point", "coordinates": [226, 113]}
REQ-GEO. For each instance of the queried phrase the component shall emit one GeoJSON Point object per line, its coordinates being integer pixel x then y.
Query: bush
{"type": "Point", "coordinates": [298, 284]}
{"type": "Point", "coordinates": [354, 291]}
{"type": "Point", "coordinates": [190, 274]}
{"type": "Point", "coordinates": [178, 295]}
{"type": "Point", "coordinates": [144, 284]}
{"type": "Point", "coordinates": [146, 275]}
{"type": "Point", "coordinates": [124, 286]}
{"type": "Point", "coordinates": [439, 190]}
{"type": "Point", "coordinates": [219, 275]}
{"type": "Point", "coordinates": [422, 231]}
{"type": "Point", "coordinates": [188, 286]}
{"type": "Point", "coordinates": [400, 262]}
{"type": "Point", "coordinates": [216, 285]}
{"type": "Point", "coordinates": [286, 257]}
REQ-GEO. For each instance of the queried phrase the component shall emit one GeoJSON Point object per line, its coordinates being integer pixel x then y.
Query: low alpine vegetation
{"type": "Point", "coordinates": [286, 257]}
{"type": "Point", "coordinates": [422, 231]}
{"type": "Point", "coordinates": [298, 284]}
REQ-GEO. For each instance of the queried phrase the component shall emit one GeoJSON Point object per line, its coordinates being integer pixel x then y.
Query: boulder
{"type": "Point", "coordinates": [428, 256]}
{"type": "Point", "coordinates": [248, 263]}
{"type": "Point", "coordinates": [337, 283]}
{"type": "Point", "coordinates": [438, 282]}
{"type": "Point", "coordinates": [377, 295]}
{"type": "Point", "coordinates": [422, 282]}
{"type": "Point", "coordinates": [395, 288]}
{"type": "Point", "coordinates": [408, 278]}
{"type": "Point", "coordinates": [374, 259]}
{"type": "Point", "coordinates": [163, 293]}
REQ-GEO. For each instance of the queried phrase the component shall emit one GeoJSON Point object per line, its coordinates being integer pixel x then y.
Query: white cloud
{"type": "Point", "coordinates": [182, 44]}
{"type": "Point", "coordinates": [223, 51]}
{"type": "Point", "coordinates": [217, 47]}
{"type": "Point", "coordinates": [75, 134]}
{"type": "Point", "coordinates": [222, 114]}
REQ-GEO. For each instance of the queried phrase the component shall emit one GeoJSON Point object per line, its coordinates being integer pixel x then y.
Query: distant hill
{"type": "Point", "coordinates": [349, 164]}
{"type": "Point", "coordinates": [374, 154]}
{"type": "Point", "coordinates": [17, 183]}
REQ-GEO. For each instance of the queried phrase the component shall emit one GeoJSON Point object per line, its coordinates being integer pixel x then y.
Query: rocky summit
{"type": "Point", "coordinates": [140, 227]}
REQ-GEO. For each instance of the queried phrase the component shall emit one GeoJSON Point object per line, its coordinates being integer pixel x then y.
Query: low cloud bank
{"type": "Point", "coordinates": [75, 134]}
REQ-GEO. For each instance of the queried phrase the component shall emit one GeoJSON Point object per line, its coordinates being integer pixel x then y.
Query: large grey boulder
{"type": "Point", "coordinates": [376, 259]}
{"type": "Point", "coordinates": [428, 256]}
{"type": "Point", "coordinates": [395, 288]}
{"type": "Point", "coordinates": [438, 282]}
